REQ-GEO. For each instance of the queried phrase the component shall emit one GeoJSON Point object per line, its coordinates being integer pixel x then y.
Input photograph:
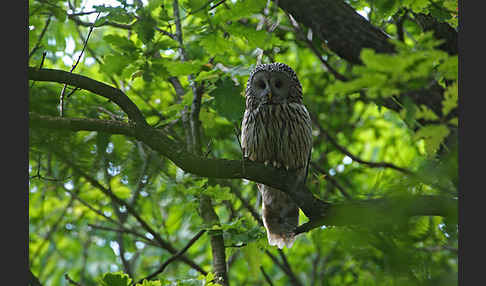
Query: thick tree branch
{"type": "Point", "coordinates": [96, 87]}
{"type": "Point", "coordinates": [441, 31]}
{"type": "Point", "coordinates": [345, 32]}
{"type": "Point", "coordinates": [392, 210]}
{"type": "Point", "coordinates": [373, 211]}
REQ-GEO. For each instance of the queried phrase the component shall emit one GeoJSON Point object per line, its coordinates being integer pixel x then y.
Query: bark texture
{"type": "Point", "coordinates": [336, 23]}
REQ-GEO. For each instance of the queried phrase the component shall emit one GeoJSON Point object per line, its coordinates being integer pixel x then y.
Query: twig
{"type": "Point", "coordinates": [40, 66]}
{"type": "Point", "coordinates": [39, 176]}
{"type": "Point", "coordinates": [331, 179]}
{"type": "Point", "coordinates": [61, 104]}
{"type": "Point", "coordinates": [125, 230]}
{"type": "Point", "coordinates": [33, 280]}
{"type": "Point", "coordinates": [299, 33]}
{"type": "Point", "coordinates": [105, 23]}
{"type": "Point", "coordinates": [355, 158]}
{"type": "Point", "coordinates": [37, 45]}
{"type": "Point", "coordinates": [52, 230]}
{"type": "Point", "coordinates": [93, 54]}
{"type": "Point", "coordinates": [267, 278]}
{"type": "Point", "coordinates": [287, 265]}
{"type": "Point", "coordinates": [82, 13]}
{"type": "Point", "coordinates": [113, 94]}
{"type": "Point", "coordinates": [71, 281]}
{"type": "Point", "coordinates": [288, 271]}
{"type": "Point", "coordinates": [247, 205]}
{"type": "Point", "coordinates": [164, 244]}
{"type": "Point", "coordinates": [174, 257]}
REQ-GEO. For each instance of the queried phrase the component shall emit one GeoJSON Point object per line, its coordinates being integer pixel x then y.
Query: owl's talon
{"type": "Point", "coordinates": [266, 163]}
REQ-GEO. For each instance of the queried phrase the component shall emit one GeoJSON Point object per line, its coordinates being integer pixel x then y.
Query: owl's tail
{"type": "Point", "coordinates": [280, 216]}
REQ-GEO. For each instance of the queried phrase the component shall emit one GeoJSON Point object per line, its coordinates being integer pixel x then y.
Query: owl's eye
{"type": "Point", "coordinates": [278, 83]}
{"type": "Point", "coordinates": [261, 84]}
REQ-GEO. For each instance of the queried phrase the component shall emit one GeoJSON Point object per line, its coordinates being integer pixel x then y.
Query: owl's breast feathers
{"type": "Point", "coordinates": [277, 134]}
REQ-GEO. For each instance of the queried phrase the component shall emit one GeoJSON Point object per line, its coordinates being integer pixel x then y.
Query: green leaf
{"type": "Point", "coordinates": [228, 101]}
{"type": "Point", "coordinates": [177, 68]}
{"type": "Point", "coordinates": [215, 44]}
{"type": "Point", "coordinates": [449, 68]}
{"type": "Point", "coordinates": [254, 39]}
{"type": "Point", "coordinates": [59, 13]}
{"type": "Point", "coordinates": [152, 283]}
{"type": "Point", "coordinates": [417, 6]}
{"type": "Point", "coordinates": [119, 189]}
{"type": "Point", "coordinates": [116, 279]}
{"type": "Point", "coordinates": [252, 254]}
{"type": "Point", "coordinates": [117, 14]}
{"type": "Point", "coordinates": [121, 44]}
{"type": "Point", "coordinates": [433, 135]}
{"type": "Point", "coordinates": [114, 63]}
{"type": "Point", "coordinates": [238, 10]}
{"type": "Point", "coordinates": [450, 99]}
{"type": "Point", "coordinates": [145, 27]}
{"type": "Point", "coordinates": [426, 113]}
{"type": "Point", "coordinates": [208, 75]}
{"type": "Point", "coordinates": [219, 193]}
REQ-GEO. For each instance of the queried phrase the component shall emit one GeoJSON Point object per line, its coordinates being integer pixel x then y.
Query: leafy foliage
{"type": "Point", "coordinates": [77, 224]}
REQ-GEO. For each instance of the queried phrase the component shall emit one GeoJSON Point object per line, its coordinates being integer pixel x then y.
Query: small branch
{"type": "Point", "coordinates": [267, 278]}
{"type": "Point", "coordinates": [52, 230]}
{"type": "Point", "coordinates": [174, 257]}
{"type": "Point", "coordinates": [33, 280]}
{"type": "Point", "coordinates": [247, 205]}
{"type": "Point", "coordinates": [95, 57]}
{"type": "Point", "coordinates": [309, 44]}
{"type": "Point", "coordinates": [124, 230]}
{"type": "Point", "coordinates": [293, 279]}
{"type": "Point", "coordinates": [331, 179]}
{"type": "Point", "coordinates": [82, 13]}
{"type": "Point", "coordinates": [71, 281]}
{"type": "Point", "coordinates": [40, 66]}
{"type": "Point", "coordinates": [37, 45]}
{"type": "Point", "coordinates": [96, 87]}
{"type": "Point", "coordinates": [39, 176]}
{"type": "Point", "coordinates": [355, 158]}
{"type": "Point", "coordinates": [164, 244]}
{"type": "Point", "coordinates": [105, 23]}
{"type": "Point", "coordinates": [61, 104]}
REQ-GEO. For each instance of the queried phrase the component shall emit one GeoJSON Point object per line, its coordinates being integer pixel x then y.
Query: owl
{"type": "Point", "coordinates": [276, 129]}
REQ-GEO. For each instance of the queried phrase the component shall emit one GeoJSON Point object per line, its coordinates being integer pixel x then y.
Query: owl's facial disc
{"type": "Point", "coordinates": [271, 87]}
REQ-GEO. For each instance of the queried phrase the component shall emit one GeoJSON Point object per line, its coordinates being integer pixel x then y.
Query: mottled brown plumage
{"type": "Point", "coordinates": [276, 129]}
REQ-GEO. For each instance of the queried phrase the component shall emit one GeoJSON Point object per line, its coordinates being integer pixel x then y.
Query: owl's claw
{"type": "Point", "coordinates": [266, 163]}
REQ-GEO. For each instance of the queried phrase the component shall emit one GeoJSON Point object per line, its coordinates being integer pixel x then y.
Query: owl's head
{"type": "Point", "coordinates": [274, 83]}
